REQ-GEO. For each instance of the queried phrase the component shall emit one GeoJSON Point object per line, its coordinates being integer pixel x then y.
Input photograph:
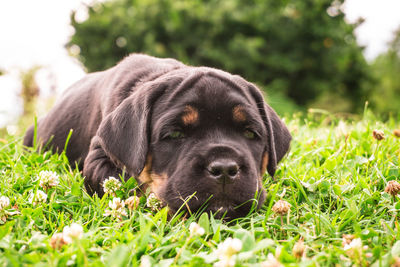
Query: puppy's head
{"type": "Point", "coordinates": [202, 141]}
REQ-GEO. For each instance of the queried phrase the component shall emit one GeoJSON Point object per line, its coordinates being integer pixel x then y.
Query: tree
{"type": "Point", "coordinates": [299, 48]}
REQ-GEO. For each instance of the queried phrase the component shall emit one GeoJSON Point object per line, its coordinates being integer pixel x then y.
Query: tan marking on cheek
{"type": "Point", "coordinates": [159, 181]}
{"type": "Point", "coordinates": [264, 163]}
{"type": "Point", "coordinates": [239, 115]}
{"type": "Point", "coordinates": [190, 115]}
{"type": "Point", "coordinates": [145, 175]}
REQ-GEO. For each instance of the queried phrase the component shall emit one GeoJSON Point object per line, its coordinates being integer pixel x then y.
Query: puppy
{"type": "Point", "coordinates": [198, 137]}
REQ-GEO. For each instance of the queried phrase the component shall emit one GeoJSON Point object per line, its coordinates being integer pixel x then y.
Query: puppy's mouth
{"type": "Point", "coordinates": [226, 209]}
{"type": "Point", "coordinates": [220, 208]}
{"type": "Point", "coordinates": [226, 205]}
{"type": "Point", "coordinates": [220, 205]}
{"type": "Point", "coordinates": [222, 212]}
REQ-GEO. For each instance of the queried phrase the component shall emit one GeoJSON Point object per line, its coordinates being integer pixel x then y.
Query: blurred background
{"type": "Point", "coordinates": [311, 54]}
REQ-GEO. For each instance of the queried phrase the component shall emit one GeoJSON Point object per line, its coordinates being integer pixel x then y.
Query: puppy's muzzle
{"type": "Point", "coordinates": [224, 163]}
{"type": "Point", "coordinates": [223, 170]}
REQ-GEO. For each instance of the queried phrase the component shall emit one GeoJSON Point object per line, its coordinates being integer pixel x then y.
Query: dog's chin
{"type": "Point", "coordinates": [218, 209]}
{"type": "Point", "coordinates": [221, 206]}
{"type": "Point", "coordinates": [226, 212]}
{"type": "Point", "coordinates": [229, 209]}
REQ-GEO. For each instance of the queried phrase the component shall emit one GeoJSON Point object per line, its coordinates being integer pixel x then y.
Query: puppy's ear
{"type": "Point", "coordinates": [278, 139]}
{"type": "Point", "coordinates": [125, 132]}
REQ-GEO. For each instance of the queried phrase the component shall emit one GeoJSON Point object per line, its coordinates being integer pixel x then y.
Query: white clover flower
{"type": "Point", "coordinates": [271, 262]}
{"type": "Point", "coordinates": [68, 235]}
{"type": "Point", "coordinates": [116, 208]}
{"type": "Point", "coordinates": [153, 202]}
{"type": "Point", "coordinates": [116, 203]}
{"type": "Point", "coordinates": [230, 246]}
{"type": "Point", "coordinates": [57, 241]}
{"type": "Point", "coordinates": [196, 229]}
{"type": "Point", "coordinates": [299, 249]}
{"type": "Point", "coordinates": [281, 207]}
{"type": "Point", "coordinates": [355, 243]}
{"type": "Point", "coordinates": [393, 188]}
{"type": "Point", "coordinates": [111, 185]}
{"type": "Point", "coordinates": [145, 261]}
{"type": "Point", "coordinates": [354, 249]}
{"type": "Point", "coordinates": [38, 197]}
{"type": "Point", "coordinates": [346, 239]}
{"type": "Point", "coordinates": [227, 251]}
{"type": "Point", "coordinates": [72, 232]}
{"type": "Point", "coordinates": [342, 129]}
{"type": "Point", "coordinates": [48, 179]}
{"type": "Point", "coordinates": [4, 202]}
{"type": "Point", "coordinates": [132, 202]}
{"type": "Point", "coordinates": [228, 262]}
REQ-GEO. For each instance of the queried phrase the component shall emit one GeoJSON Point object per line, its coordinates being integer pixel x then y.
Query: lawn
{"type": "Point", "coordinates": [334, 179]}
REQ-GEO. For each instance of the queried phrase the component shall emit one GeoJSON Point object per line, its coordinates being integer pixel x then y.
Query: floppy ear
{"type": "Point", "coordinates": [125, 132]}
{"type": "Point", "coordinates": [278, 138]}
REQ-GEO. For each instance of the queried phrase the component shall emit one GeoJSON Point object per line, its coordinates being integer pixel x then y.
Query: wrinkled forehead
{"type": "Point", "coordinates": [208, 92]}
{"type": "Point", "coordinates": [212, 90]}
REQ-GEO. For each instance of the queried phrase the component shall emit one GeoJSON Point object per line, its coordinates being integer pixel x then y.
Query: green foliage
{"type": "Point", "coordinates": [292, 48]}
{"type": "Point", "coordinates": [30, 89]}
{"type": "Point", "coordinates": [386, 69]}
{"type": "Point", "coordinates": [334, 178]}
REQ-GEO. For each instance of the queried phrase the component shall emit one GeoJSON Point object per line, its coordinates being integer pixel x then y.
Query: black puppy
{"type": "Point", "coordinates": [180, 130]}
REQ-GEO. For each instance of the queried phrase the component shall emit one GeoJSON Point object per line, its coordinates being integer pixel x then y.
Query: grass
{"type": "Point", "coordinates": [334, 178]}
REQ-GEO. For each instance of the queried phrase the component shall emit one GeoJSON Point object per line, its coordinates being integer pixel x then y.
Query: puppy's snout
{"type": "Point", "coordinates": [224, 171]}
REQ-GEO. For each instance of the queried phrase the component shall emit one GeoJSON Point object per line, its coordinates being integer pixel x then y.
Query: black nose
{"type": "Point", "coordinates": [223, 170]}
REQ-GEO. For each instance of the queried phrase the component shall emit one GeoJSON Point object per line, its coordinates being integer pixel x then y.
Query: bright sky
{"type": "Point", "coordinates": [35, 32]}
{"type": "Point", "coordinates": [382, 18]}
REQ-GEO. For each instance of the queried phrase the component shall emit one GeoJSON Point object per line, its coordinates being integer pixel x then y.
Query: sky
{"type": "Point", "coordinates": [35, 32]}
{"type": "Point", "coordinates": [382, 18]}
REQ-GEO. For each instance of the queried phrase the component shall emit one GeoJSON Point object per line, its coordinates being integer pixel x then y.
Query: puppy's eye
{"type": "Point", "coordinates": [176, 135]}
{"type": "Point", "coordinates": [249, 134]}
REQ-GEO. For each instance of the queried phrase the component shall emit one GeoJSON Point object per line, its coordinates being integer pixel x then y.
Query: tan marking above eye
{"type": "Point", "coordinates": [239, 115]}
{"type": "Point", "coordinates": [190, 115]}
